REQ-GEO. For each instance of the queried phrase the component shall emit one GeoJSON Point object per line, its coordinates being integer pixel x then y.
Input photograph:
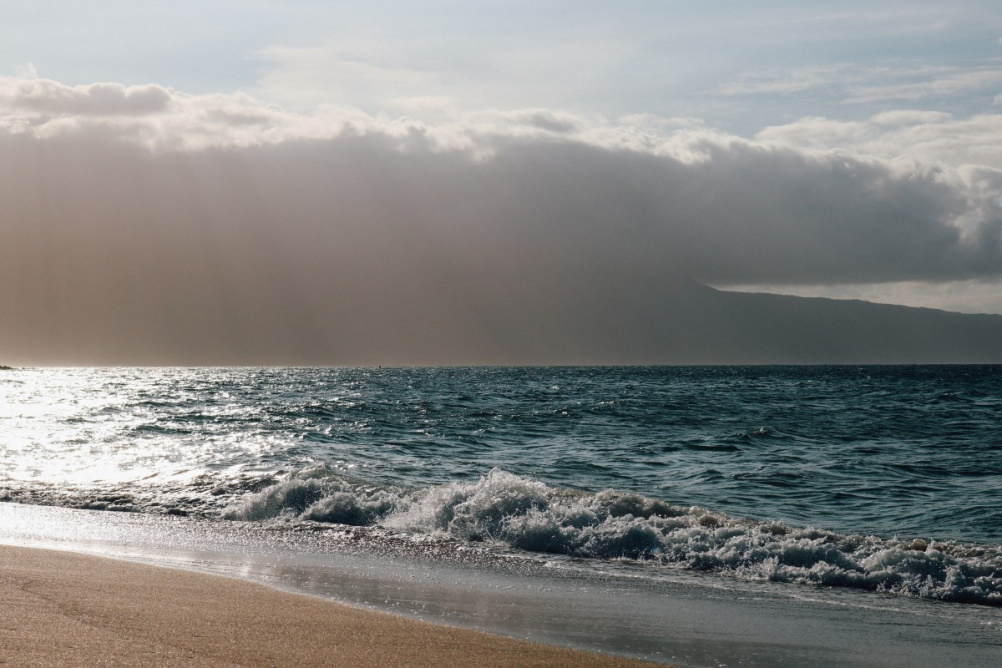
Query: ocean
{"type": "Point", "coordinates": [866, 488]}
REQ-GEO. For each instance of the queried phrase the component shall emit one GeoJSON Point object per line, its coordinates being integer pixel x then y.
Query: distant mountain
{"type": "Point", "coordinates": [755, 328]}
{"type": "Point", "coordinates": [560, 318]}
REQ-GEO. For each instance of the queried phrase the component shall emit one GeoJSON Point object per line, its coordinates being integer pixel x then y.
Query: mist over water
{"type": "Point", "coordinates": [872, 477]}
{"type": "Point", "coordinates": [370, 247]}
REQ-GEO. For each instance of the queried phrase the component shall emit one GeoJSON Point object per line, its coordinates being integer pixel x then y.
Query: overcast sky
{"type": "Point", "coordinates": [257, 151]}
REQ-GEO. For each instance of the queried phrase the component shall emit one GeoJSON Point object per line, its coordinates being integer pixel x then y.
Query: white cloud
{"type": "Point", "coordinates": [794, 81]}
{"type": "Point", "coordinates": [909, 117]}
{"type": "Point", "coordinates": [946, 85]}
{"type": "Point", "coordinates": [900, 137]}
{"type": "Point", "coordinates": [902, 196]}
{"type": "Point", "coordinates": [857, 84]}
{"type": "Point", "coordinates": [362, 73]}
{"type": "Point", "coordinates": [161, 118]}
{"type": "Point", "coordinates": [43, 96]}
{"type": "Point", "coordinates": [398, 76]}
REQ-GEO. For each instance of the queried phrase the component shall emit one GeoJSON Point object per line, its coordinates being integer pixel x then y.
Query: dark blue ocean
{"type": "Point", "coordinates": [877, 478]}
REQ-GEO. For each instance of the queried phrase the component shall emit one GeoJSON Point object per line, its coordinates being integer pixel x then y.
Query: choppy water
{"type": "Point", "coordinates": [881, 478]}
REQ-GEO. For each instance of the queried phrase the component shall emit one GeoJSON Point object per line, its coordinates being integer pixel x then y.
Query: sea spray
{"type": "Point", "coordinates": [318, 495]}
{"type": "Point", "coordinates": [525, 514]}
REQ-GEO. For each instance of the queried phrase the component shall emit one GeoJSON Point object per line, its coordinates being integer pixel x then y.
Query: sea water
{"type": "Point", "coordinates": [883, 481]}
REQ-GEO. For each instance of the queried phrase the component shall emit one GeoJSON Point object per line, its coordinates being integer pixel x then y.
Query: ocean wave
{"type": "Point", "coordinates": [319, 495]}
{"type": "Point", "coordinates": [526, 514]}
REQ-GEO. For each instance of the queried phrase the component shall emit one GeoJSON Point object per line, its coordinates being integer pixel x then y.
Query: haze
{"type": "Point", "coordinates": [339, 191]}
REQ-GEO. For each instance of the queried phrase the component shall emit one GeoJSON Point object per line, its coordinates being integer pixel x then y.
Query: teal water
{"type": "Point", "coordinates": [872, 477]}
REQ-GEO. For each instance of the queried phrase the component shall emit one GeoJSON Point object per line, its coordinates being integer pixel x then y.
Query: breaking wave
{"type": "Point", "coordinates": [526, 514]}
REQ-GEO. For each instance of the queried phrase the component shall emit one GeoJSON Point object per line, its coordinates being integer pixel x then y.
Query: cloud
{"type": "Point", "coordinates": [308, 77]}
{"type": "Point", "coordinates": [910, 117]}
{"type": "Point", "coordinates": [900, 138]}
{"type": "Point", "coordinates": [811, 201]}
{"type": "Point", "coordinates": [794, 81]}
{"type": "Point", "coordinates": [44, 96]}
{"type": "Point", "coordinates": [947, 85]}
{"type": "Point", "coordinates": [220, 218]}
{"type": "Point", "coordinates": [400, 74]}
{"type": "Point", "coordinates": [855, 84]}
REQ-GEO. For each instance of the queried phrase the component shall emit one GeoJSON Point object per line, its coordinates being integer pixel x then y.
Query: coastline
{"type": "Point", "coordinates": [68, 608]}
{"type": "Point", "coordinates": [681, 618]}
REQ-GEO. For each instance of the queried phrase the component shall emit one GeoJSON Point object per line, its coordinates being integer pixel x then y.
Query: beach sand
{"type": "Point", "coordinates": [62, 608]}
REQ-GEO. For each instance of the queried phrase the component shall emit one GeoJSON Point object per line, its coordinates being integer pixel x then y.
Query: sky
{"type": "Point", "coordinates": [366, 168]}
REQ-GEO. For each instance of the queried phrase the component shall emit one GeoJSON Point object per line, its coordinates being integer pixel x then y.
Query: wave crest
{"type": "Point", "coordinates": [529, 515]}
{"type": "Point", "coordinates": [321, 497]}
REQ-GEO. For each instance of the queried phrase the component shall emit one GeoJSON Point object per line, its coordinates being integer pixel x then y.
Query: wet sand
{"type": "Point", "coordinates": [62, 608]}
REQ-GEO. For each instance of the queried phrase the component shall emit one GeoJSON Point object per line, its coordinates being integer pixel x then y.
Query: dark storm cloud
{"type": "Point", "coordinates": [385, 247]}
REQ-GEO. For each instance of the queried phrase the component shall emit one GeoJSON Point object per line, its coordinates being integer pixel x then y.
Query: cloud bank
{"type": "Point", "coordinates": [157, 226]}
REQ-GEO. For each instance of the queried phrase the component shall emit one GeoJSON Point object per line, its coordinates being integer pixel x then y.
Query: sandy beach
{"type": "Point", "coordinates": [62, 608]}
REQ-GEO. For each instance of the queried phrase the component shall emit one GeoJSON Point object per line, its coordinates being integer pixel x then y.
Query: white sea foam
{"type": "Point", "coordinates": [319, 496]}
{"type": "Point", "coordinates": [529, 515]}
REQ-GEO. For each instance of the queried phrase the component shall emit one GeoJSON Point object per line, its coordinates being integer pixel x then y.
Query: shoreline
{"type": "Point", "coordinates": [64, 568]}
{"type": "Point", "coordinates": [69, 608]}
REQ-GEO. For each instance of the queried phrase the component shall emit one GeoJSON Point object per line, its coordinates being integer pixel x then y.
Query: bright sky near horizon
{"type": "Point", "coordinates": [849, 149]}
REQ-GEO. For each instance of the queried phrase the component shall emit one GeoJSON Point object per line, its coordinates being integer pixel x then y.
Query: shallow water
{"type": "Point", "coordinates": [686, 618]}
